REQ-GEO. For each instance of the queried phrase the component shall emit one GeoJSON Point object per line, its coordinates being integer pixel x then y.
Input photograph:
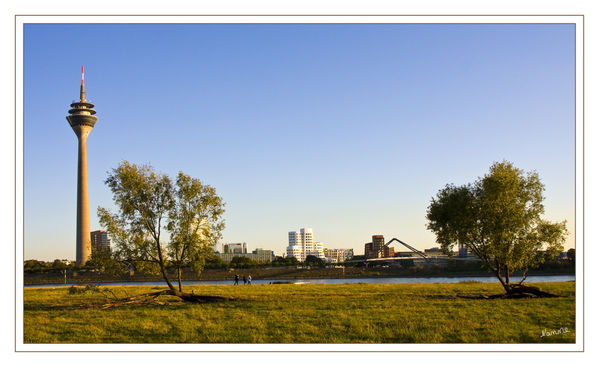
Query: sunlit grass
{"type": "Point", "coordinates": [286, 313]}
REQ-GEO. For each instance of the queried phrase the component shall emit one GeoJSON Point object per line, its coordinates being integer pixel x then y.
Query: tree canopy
{"type": "Point", "coordinates": [498, 217]}
{"type": "Point", "coordinates": [150, 205]}
{"type": "Point", "coordinates": [285, 261]}
{"type": "Point", "coordinates": [314, 261]}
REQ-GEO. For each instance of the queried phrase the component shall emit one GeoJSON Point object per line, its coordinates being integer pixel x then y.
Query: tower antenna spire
{"type": "Point", "coordinates": [82, 91]}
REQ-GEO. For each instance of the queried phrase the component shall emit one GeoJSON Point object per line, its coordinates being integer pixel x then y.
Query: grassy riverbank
{"type": "Point", "coordinates": [357, 313]}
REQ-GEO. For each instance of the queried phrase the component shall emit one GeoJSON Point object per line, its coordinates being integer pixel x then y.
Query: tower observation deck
{"type": "Point", "coordinates": [82, 120]}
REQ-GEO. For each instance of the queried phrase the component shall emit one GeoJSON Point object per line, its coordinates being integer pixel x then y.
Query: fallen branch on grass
{"type": "Point", "coordinates": [143, 299]}
{"type": "Point", "coordinates": [150, 299]}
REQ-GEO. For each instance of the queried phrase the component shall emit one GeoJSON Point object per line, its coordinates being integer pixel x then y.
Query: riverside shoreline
{"type": "Point", "coordinates": [274, 273]}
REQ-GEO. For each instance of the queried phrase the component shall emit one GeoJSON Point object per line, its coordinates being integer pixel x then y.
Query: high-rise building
{"type": "Point", "coordinates": [100, 241]}
{"type": "Point", "coordinates": [378, 245]}
{"type": "Point", "coordinates": [295, 248]}
{"type": "Point", "coordinates": [301, 244]}
{"type": "Point", "coordinates": [82, 120]}
{"type": "Point", "coordinates": [377, 248]}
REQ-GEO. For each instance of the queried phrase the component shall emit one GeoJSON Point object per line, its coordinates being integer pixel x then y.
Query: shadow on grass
{"type": "Point", "coordinates": [504, 296]}
{"type": "Point", "coordinates": [440, 296]}
{"type": "Point", "coordinates": [486, 296]}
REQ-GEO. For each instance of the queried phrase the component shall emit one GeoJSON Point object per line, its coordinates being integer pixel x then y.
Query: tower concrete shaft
{"type": "Point", "coordinates": [84, 244]}
{"type": "Point", "coordinates": [82, 120]}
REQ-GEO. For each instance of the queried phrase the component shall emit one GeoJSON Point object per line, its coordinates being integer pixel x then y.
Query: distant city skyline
{"type": "Point", "coordinates": [347, 129]}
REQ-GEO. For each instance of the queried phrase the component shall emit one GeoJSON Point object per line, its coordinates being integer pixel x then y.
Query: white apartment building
{"type": "Point", "coordinates": [301, 244]}
{"type": "Point", "coordinates": [318, 250]}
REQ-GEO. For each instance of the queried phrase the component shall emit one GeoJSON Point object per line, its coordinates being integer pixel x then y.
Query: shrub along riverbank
{"type": "Point", "coordinates": [356, 313]}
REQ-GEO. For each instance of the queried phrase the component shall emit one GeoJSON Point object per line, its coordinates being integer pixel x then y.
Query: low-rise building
{"type": "Point", "coordinates": [259, 255]}
{"type": "Point", "coordinates": [263, 255]}
{"type": "Point", "coordinates": [337, 255]}
{"type": "Point", "coordinates": [433, 251]}
{"type": "Point", "coordinates": [235, 248]}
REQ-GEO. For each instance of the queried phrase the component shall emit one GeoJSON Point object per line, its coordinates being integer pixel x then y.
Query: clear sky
{"type": "Point", "coordinates": [347, 129]}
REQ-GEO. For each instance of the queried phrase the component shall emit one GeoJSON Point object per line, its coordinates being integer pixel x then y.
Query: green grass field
{"type": "Point", "coordinates": [286, 313]}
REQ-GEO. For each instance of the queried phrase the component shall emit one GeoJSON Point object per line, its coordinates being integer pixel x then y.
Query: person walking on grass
{"type": "Point", "coordinates": [245, 279]}
{"type": "Point", "coordinates": [236, 279]}
{"type": "Point", "coordinates": [249, 280]}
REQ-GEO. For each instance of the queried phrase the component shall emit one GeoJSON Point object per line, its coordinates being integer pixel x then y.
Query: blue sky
{"type": "Point", "coordinates": [347, 129]}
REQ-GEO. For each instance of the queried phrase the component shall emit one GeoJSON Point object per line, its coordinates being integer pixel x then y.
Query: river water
{"type": "Point", "coordinates": [484, 279]}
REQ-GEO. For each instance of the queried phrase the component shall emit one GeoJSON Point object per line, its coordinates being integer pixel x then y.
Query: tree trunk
{"type": "Point", "coordinates": [519, 290]}
{"type": "Point", "coordinates": [161, 263]}
{"type": "Point", "coordinates": [165, 276]}
{"type": "Point", "coordinates": [179, 277]}
{"type": "Point", "coordinates": [505, 286]}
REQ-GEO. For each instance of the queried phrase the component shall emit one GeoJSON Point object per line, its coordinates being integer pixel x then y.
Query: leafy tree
{"type": "Point", "coordinates": [498, 218]}
{"type": "Point", "coordinates": [195, 224]}
{"type": "Point", "coordinates": [242, 262]}
{"type": "Point", "coordinates": [105, 262]}
{"type": "Point", "coordinates": [35, 266]}
{"type": "Point", "coordinates": [214, 261]}
{"type": "Point", "coordinates": [314, 261]}
{"type": "Point", "coordinates": [285, 261]}
{"type": "Point", "coordinates": [148, 206]}
{"type": "Point", "coordinates": [59, 265]}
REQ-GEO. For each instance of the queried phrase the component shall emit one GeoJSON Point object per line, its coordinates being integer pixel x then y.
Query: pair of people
{"type": "Point", "coordinates": [247, 279]}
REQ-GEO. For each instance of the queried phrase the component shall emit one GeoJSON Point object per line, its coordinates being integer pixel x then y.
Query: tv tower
{"type": "Point", "coordinates": [82, 120]}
